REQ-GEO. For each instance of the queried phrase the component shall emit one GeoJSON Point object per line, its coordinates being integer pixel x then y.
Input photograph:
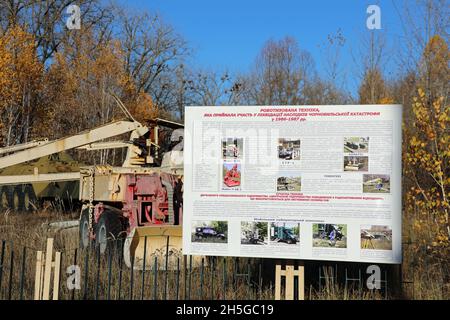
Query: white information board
{"type": "Point", "coordinates": [297, 182]}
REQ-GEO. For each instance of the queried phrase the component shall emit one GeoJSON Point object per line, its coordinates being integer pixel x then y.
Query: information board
{"type": "Point", "coordinates": [294, 182]}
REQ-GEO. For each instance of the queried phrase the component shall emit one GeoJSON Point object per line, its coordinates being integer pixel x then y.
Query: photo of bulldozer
{"type": "Point", "coordinates": [231, 175]}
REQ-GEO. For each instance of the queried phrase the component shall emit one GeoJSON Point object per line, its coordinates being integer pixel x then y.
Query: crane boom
{"type": "Point", "coordinates": [75, 141]}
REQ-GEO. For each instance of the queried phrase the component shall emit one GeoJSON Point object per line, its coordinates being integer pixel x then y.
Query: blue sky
{"type": "Point", "coordinates": [230, 33]}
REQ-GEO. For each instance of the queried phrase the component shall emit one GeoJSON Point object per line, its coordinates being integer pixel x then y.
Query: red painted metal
{"type": "Point", "coordinates": [145, 200]}
{"type": "Point", "coordinates": [232, 177]}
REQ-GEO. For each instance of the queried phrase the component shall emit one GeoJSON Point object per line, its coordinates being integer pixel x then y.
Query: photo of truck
{"type": "Point", "coordinates": [285, 233]}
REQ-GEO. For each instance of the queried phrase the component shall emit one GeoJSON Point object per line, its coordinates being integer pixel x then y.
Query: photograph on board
{"type": "Point", "coordinates": [232, 148]}
{"type": "Point", "coordinates": [289, 182]}
{"type": "Point", "coordinates": [209, 232]}
{"type": "Point", "coordinates": [376, 237]}
{"type": "Point", "coordinates": [231, 176]}
{"type": "Point", "coordinates": [254, 233]}
{"type": "Point", "coordinates": [356, 163]}
{"type": "Point", "coordinates": [376, 183]}
{"type": "Point", "coordinates": [356, 144]}
{"type": "Point", "coordinates": [330, 235]}
{"type": "Point", "coordinates": [286, 233]}
{"type": "Point", "coordinates": [289, 149]}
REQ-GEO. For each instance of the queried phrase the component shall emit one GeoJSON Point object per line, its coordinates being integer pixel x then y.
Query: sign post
{"type": "Point", "coordinates": [290, 273]}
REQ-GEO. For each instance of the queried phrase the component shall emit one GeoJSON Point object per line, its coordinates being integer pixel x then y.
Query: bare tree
{"type": "Point", "coordinates": [332, 54]}
{"type": "Point", "coordinates": [210, 88]}
{"type": "Point", "coordinates": [152, 50]}
{"type": "Point", "coordinates": [280, 74]}
{"type": "Point", "coordinates": [370, 64]}
{"type": "Point", "coordinates": [420, 22]}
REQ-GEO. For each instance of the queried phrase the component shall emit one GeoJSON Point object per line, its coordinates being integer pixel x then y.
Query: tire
{"type": "Point", "coordinates": [84, 230]}
{"type": "Point", "coordinates": [108, 230]}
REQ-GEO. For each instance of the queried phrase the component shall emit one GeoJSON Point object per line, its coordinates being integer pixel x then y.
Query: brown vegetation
{"type": "Point", "coordinates": [55, 82]}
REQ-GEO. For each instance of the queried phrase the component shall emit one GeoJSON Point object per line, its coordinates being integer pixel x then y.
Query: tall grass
{"type": "Point", "coordinates": [425, 276]}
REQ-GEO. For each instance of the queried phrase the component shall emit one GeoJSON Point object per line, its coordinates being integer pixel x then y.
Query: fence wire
{"type": "Point", "coordinates": [86, 274]}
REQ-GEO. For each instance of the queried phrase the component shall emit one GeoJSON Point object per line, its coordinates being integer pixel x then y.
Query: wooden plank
{"type": "Point", "coordinates": [278, 282]}
{"type": "Point", "coordinates": [37, 278]}
{"type": "Point", "coordinates": [289, 282]}
{"type": "Point", "coordinates": [301, 281]}
{"type": "Point", "coordinates": [48, 269]}
{"type": "Point", "coordinates": [57, 266]}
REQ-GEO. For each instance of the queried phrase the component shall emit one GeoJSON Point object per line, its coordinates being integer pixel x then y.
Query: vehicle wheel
{"type": "Point", "coordinates": [85, 238]}
{"type": "Point", "coordinates": [108, 230]}
{"type": "Point", "coordinates": [5, 197]}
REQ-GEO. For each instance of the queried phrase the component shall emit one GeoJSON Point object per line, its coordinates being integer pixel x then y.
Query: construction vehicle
{"type": "Point", "coordinates": [252, 236]}
{"type": "Point", "coordinates": [283, 234]}
{"type": "Point", "coordinates": [231, 151]}
{"type": "Point", "coordinates": [140, 202]}
{"type": "Point", "coordinates": [29, 196]}
{"type": "Point", "coordinates": [232, 177]}
{"type": "Point", "coordinates": [286, 154]}
{"type": "Point", "coordinates": [353, 164]}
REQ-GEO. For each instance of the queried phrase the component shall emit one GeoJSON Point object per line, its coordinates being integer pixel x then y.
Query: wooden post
{"type": "Point", "coordinates": [57, 267]}
{"type": "Point", "coordinates": [43, 274]}
{"type": "Point", "coordinates": [278, 282]}
{"type": "Point", "coordinates": [301, 280]}
{"type": "Point", "coordinates": [48, 269]}
{"type": "Point", "coordinates": [290, 273]}
{"type": "Point", "coordinates": [38, 276]}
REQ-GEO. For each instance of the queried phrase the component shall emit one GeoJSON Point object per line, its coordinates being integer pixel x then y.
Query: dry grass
{"type": "Point", "coordinates": [425, 276]}
{"type": "Point", "coordinates": [425, 271]}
